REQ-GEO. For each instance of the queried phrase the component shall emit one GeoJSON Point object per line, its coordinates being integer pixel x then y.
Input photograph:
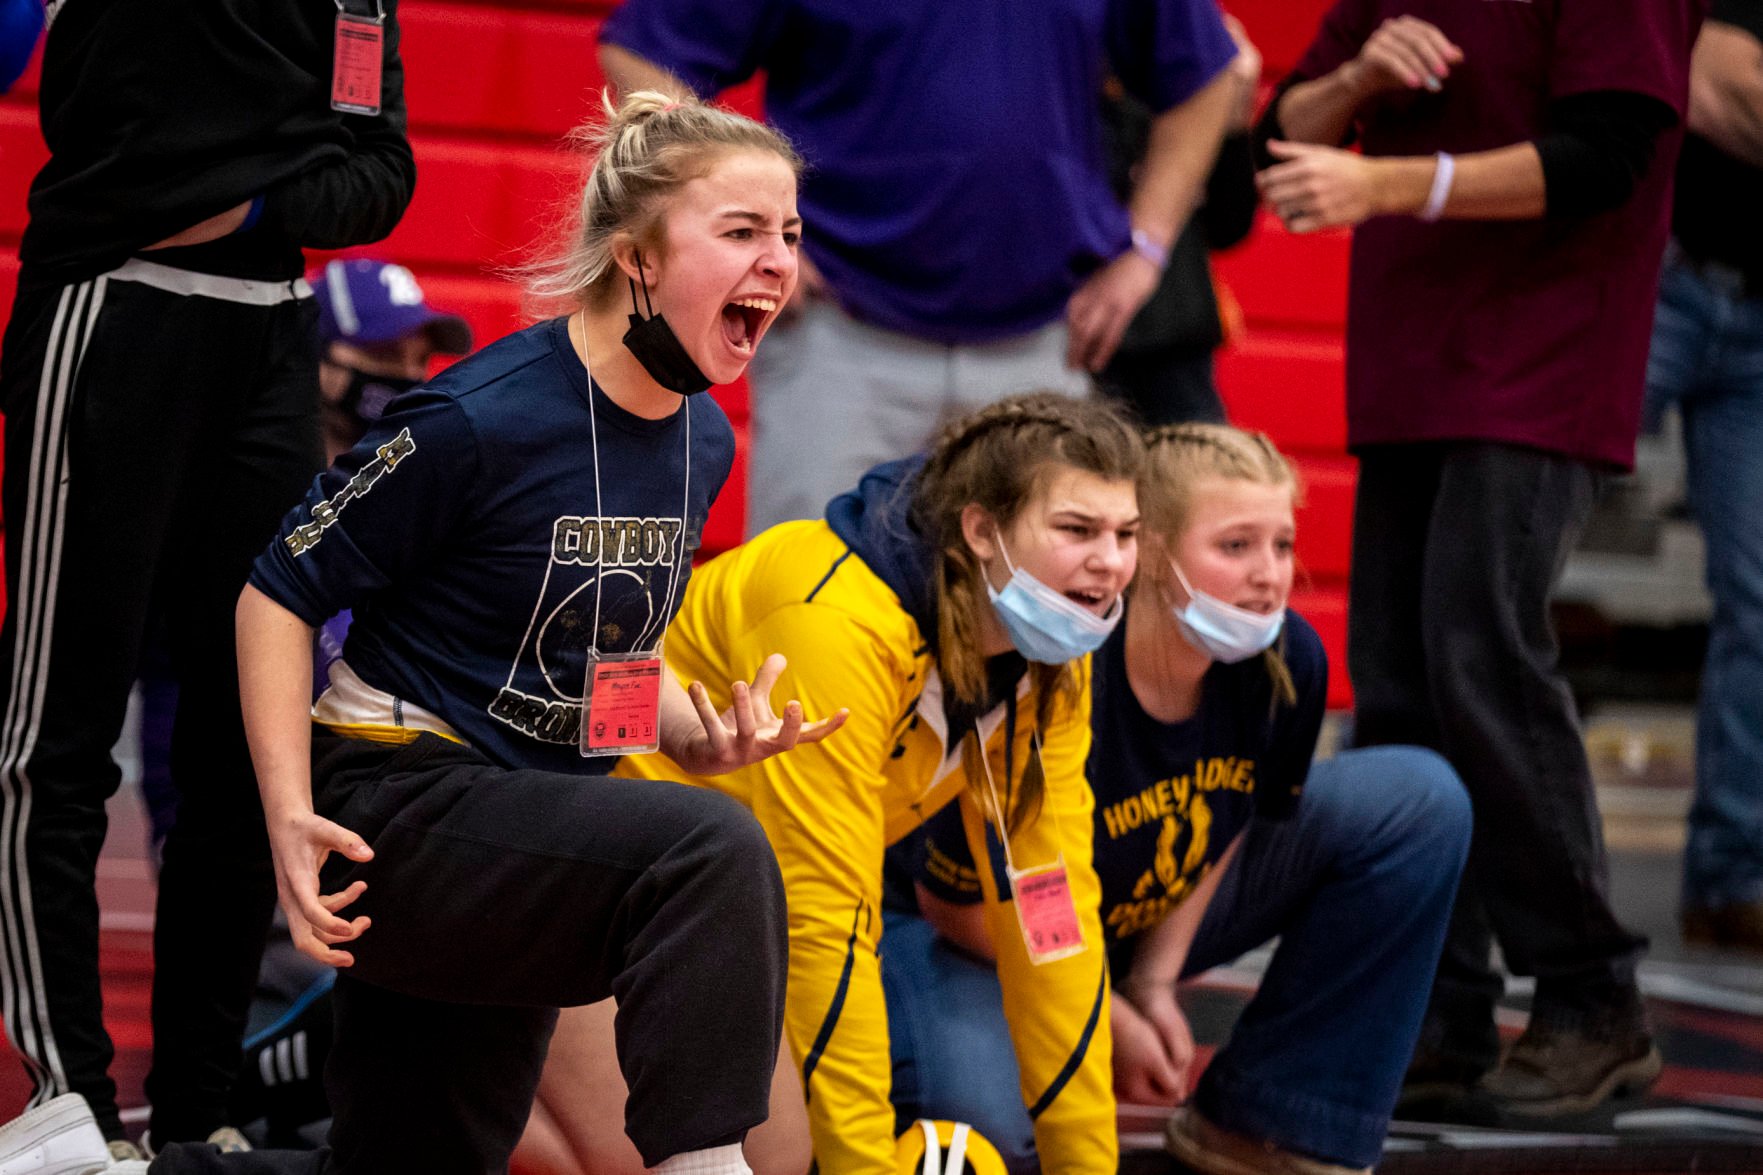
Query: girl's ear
{"type": "Point", "coordinates": [631, 258]}
{"type": "Point", "coordinates": [980, 531]}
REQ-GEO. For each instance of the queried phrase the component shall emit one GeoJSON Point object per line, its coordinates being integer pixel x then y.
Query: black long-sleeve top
{"type": "Point", "coordinates": [159, 115]}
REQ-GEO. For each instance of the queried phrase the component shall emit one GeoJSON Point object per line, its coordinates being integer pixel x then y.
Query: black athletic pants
{"type": "Point", "coordinates": [499, 896]}
{"type": "Point", "coordinates": [158, 425]}
{"type": "Point", "coordinates": [1456, 550]}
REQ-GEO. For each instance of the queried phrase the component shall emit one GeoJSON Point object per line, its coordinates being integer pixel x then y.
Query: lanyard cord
{"type": "Point", "coordinates": [992, 786]}
{"type": "Point", "coordinates": [600, 513]}
{"type": "Point", "coordinates": [679, 543]}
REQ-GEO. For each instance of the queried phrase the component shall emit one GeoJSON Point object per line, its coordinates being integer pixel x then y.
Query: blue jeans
{"type": "Point", "coordinates": [1707, 356]}
{"type": "Point", "coordinates": [1358, 886]}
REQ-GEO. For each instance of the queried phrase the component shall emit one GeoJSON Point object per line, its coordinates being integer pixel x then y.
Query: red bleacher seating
{"type": "Point", "coordinates": [22, 154]}
{"type": "Point", "coordinates": [1325, 520]}
{"type": "Point", "coordinates": [1281, 29]}
{"type": "Point", "coordinates": [531, 75]}
{"type": "Point", "coordinates": [1286, 280]}
{"type": "Point", "coordinates": [480, 204]}
{"type": "Point", "coordinates": [1290, 386]}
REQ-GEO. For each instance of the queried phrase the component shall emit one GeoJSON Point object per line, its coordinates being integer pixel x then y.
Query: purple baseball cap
{"type": "Point", "coordinates": [366, 301]}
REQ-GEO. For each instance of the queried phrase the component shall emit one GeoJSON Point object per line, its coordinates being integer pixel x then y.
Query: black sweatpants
{"type": "Point", "coordinates": [153, 432]}
{"type": "Point", "coordinates": [1456, 551]}
{"type": "Point", "coordinates": [499, 896]}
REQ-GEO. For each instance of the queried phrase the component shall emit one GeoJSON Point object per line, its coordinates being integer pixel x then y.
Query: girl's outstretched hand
{"type": "Point", "coordinates": [749, 730]}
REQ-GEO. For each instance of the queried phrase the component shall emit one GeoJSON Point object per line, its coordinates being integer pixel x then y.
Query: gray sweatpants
{"type": "Point", "coordinates": [833, 397]}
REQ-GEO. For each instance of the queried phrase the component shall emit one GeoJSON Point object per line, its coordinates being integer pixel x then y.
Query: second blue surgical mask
{"type": "Point", "coordinates": [1223, 631]}
{"type": "Point", "coordinates": [1043, 624]}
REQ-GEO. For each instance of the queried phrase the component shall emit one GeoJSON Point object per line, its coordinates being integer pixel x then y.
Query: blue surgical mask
{"type": "Point", "coordinates": [1223, 631]}
{"type": "Point", "coordinates": [1044, 626]}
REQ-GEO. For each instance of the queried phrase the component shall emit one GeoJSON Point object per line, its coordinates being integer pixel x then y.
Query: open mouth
{"type": "Point", "coordinates": [1259, 607]}
{"type": "Point", "coordinates": [743, 321]}
{"type": "Point", "coordinates": [1095, 599]}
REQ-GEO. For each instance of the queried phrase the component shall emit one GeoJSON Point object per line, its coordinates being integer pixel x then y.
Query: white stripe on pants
{"type": "Point", "coordinates": [24, 1004]}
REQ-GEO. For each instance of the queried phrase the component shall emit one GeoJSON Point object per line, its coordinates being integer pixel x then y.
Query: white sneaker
{"type": "Point", "coordinates": [59, 1137]}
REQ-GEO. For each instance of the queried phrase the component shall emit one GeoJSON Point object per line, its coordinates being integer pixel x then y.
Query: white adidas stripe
{"type": "Point", "coordinates": [23, 1029]}
{"type": "Point", "coordinates": [23, 999]}
{"type": "Point", "coordinates": [12, 982]}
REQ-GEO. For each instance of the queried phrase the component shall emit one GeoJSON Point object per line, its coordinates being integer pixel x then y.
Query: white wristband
{"type": "Point", "coordinates": [1150, 250]}
{"type": "Point", "coordinates": [1444, 171]}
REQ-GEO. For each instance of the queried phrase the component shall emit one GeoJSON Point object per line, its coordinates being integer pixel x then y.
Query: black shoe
{"type": "Point", "coordinates": [1449, 1060]}
{"type": "Point", "coordinates": [1553, 1071]}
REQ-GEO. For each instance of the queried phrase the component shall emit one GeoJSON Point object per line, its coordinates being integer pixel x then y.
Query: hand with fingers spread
{"type": "Point", "coordinates": [1405, 53]}
{"type": "Point", "coordinates": [748, 731]}
{"type": "Point", "coordinates": [1315, 188]}
{"type": "Point", "coordinates": [1100, 311]}
{"type": "Point", "coordinates": [300, 844]}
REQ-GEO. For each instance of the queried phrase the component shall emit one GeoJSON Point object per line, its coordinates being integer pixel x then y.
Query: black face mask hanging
{"type": "Point", "coordinates": [367, 395]}
{"type": "Point", "coordinates": [658, 349]}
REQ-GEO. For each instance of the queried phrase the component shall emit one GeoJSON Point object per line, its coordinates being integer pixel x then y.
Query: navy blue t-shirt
{"type": "Point", "coordinates": [1170, 797]}
{"type": "Point", "coordinates": [466, 533]}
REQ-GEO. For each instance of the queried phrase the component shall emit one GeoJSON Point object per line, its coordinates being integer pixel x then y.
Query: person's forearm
{"type": "Point", "coordinates": [627, 72]}
{"type": "Point", "coordinates": [355, 200]}
{"type": "Point", "coordinates": [275, 691]}
{"type": "Point", "coordinates": [1731, 121]}
{"type": "Point", "coordinates": [1322, 110]}
{"type": "Point", "coordinates": [1163, 952]}
{"type": "Point", "coordinates": [1178, 159]}
{"type": "Point", "coordinates": [1502, 184]}
{"type": "Point", "coordinates": [1726, 91]}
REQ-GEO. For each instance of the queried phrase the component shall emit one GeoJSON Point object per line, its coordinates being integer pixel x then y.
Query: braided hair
{"type": "Point", "coordinates": [999, 458]}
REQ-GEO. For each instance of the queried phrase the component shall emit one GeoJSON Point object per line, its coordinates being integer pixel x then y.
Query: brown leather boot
{"type": "Point", "coordinates": [1551, 1071]}
{"type": "Point", "coordinates": [1213, 1150]}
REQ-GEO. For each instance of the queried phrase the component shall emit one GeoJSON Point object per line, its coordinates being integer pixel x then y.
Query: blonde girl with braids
{"type": "Point", "coordinates": [507, 535]}
{"type": "Point", "coordinates": [1213, 835]}
{"type": "Point", "coordinates": [948, 601]}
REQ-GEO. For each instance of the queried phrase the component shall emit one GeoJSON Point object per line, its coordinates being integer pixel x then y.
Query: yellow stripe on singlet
{"type": "Point", "coordinates": [385, 736]}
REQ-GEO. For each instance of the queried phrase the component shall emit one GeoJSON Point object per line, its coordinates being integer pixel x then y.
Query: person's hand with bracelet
{"type": "Point", "coordinates": [1315, 188]}
{"type": "Point", "coordinates": [1322, 187]}
{"type": "Point", "coordinates": [1102, 308]}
